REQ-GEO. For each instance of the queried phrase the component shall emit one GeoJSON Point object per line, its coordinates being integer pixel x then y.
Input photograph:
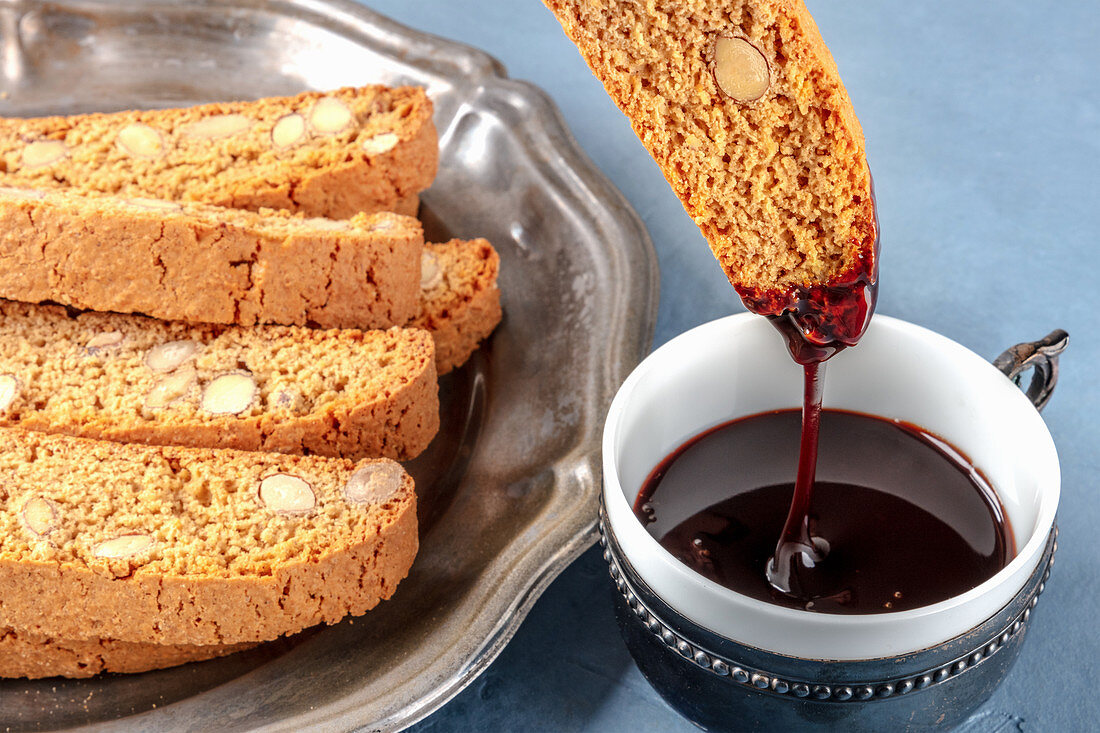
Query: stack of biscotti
{"type": "Point", "coordinates": [326, 157]}
{"type": "Point", "coordinates": [201, 263]}
{"type": "Point", "coordinates": [222, 220]}
{"type": "Point", "coordinates": [344, 393]}
{"type": "Point", "coordinates": [180, 554]}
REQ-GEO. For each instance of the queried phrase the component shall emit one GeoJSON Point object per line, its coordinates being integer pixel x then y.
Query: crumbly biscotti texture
{"type": "Point", "coordinates": [770, 165]}
{"type": "Point", "coordinates": [195, 262]}
{"type": "Point", "coordinates": [344, 393]}
{"type": "Point", "coordinates": [408, 206]}
{"type": "Point", "coordinates": [170, 545]}
{"type": "Point", "coordinates": [33, 656]}
{"type": "Point", "coordinates": [460, 301]}
{"type": "Point", "coordinates": [332, 154]}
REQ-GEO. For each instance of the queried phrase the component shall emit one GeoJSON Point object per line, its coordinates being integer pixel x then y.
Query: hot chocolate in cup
{"type": "Point", "coordinates": [731, 662]}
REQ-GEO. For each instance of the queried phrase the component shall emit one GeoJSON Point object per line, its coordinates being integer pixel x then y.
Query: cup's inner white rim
{"type": "Point", "coordinates": [613, 491]}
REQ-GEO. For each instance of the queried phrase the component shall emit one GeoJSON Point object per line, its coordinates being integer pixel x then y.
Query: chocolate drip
{"type": "Point", "coordinates": [817, 322]}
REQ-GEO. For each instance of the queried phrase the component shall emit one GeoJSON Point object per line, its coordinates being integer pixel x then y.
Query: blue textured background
{"type": "Point", "coordinates": [982, 122]}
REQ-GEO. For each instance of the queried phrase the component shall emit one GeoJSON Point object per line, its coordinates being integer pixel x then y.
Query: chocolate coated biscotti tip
{"type": "Point", "coordinates": [189, 546]}
{"type": "Point", "coordinates": [330, 154]}
{"type": "Point", "coordinates": [345, 393]}
{"type": "Point", "coordinates": [741, 105]}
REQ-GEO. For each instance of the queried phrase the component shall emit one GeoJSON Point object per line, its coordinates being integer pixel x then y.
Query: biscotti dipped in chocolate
{"type": "Point", "coordinates": [344, 393]}
{"type": "Point", "coordinates": [34, 656]}
{"type": "Point", "coordinates": [170, 545]}
{"type": "Point", "coordinates": [741, 105]}
{"type": "Point", "coordinates": [460, 301]}
{"type": "Point", "coordinates": [331, 154]}
{"type": "Point", "coordinates": [196, 262]}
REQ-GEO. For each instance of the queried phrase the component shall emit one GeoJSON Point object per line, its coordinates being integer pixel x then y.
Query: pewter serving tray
{"type": "Point", "coordinates": [508, 491]}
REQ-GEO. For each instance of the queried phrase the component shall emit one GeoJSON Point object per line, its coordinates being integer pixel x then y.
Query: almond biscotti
{"type": "Point", "coordinates": [195, 262]}
{"type": "Point", "coordinates": [328, 154]}
{"type": "Point", "coordinates": [460, 301]}
{"type": "Point", "coordinates": [171, 545]}
{"type": "Point", "coordinates": [741, 105]}
{"type": "Point", "coordinates": [34, 656]}
{"type": "Point", "coordinates": [345, 393]}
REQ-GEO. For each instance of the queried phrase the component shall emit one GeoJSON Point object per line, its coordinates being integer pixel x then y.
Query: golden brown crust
{"type": "Point", "coordinates": [202, 263]}
{"type": "Point", "coordinates": [341, 393]}
{"type": "Point", "coordinates": [224, 566]}
{"type": "Point", "coordinates": [462, 307]}
{"type": "Point", "coordinates": [332, 174]}
{"type": "Point", "coordinates": [779, 186]}
{"type": "Point", "coordinates": [31, 656]}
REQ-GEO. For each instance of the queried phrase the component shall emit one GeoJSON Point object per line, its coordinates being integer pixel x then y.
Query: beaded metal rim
{"type": "Point", "coordinates": [764, 681]}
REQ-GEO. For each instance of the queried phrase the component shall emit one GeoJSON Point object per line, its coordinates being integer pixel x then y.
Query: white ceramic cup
{"type": "Point", "coordinates": [738, 366]}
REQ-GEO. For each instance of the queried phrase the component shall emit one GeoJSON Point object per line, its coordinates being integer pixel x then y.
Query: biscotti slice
{"type": "Point", "coordinates": [408, 206]}
{"type": "Point", "coordinates": [332, 154]}
{"type": "Point", "coordinates": [460, 300]}
{"type": "Point", "coordinates": [344, 393]}
{"type": "Point", "coordinates": [195, 262]}
{"type": "Point", "coordinates": [741, 105]}
{"type": "Point", "coordinates": [33, 656]}
{"type": "Point", "coordinates": [169, 545]}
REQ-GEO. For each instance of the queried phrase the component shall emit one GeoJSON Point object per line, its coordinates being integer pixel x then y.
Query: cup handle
{"type": "Point", "coordinates": [1042, 357]}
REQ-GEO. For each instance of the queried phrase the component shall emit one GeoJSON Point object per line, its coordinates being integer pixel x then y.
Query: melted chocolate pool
{"type": "Point", "coordinates": [907, 520]}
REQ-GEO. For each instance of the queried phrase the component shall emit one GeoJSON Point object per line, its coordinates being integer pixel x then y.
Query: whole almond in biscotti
{"type": "Point", "coordinates": [288, 130]}
{"type": "Point", "coordinates": [381, 143]}
{"type": "Point", "coordinates": [39, 516]}
{"type": "Point", "coordinates": [330, 116]}
{"type": "Point", "coordinates": [284, 493]}
{"type": "Point", "coordinates": [741, 105]}
{"type": "Point", "coordinates": [9, 390]}
{"type": "Point", "coordinates": [217, 127]}
{"type": "Point", "coordinates": [126, 545]}
{"type": "Point", "coordinates": [229, 394]}
{"type": "Point", "coordinates": [146, 203]}
{"type": "Point", "coordinates": [333, 154]}
{"type": "Point", "coordinates": [103, 343]}
{"type": "Point", "coordinates": [184, 546]}
{"type": "Point", "coordinates": [171, 355]}
{"type": "Point", "coordinates": [740, 69]}
{"type": "Point", "coordinates": [374, 483]}
{"type": "Point", "coordinates": [140, 141]}
{"type": "Point", "coordinates": [332, 392]}
{"type": "Point", "coordinates": [41, 153]}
